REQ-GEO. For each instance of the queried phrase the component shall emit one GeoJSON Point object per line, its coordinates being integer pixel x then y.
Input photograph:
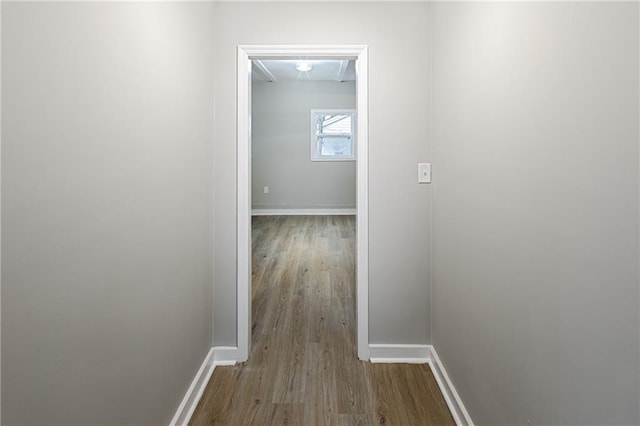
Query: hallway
{"type": "Point", "coordinates": [303, 368]}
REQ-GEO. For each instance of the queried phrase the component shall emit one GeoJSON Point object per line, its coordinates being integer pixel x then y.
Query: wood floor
{"type": "Point", "coordinates": [303, 368]}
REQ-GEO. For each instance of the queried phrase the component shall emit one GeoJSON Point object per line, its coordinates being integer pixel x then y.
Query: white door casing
{"type": "Point", "coordinates": [246, 54]}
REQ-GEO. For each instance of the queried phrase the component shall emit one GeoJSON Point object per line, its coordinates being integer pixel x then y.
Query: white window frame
{"type": "Point", "coordinates": [314, 156]}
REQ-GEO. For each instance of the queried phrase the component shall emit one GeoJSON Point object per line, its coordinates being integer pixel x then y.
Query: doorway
{"type": "Point", "coordinates": [247, 54]}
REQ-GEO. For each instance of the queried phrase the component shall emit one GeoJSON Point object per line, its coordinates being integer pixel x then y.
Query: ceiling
{"type": "Point", "coordinates": [321, 70]}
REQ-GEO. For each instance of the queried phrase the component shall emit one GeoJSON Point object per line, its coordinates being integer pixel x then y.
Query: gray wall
{"type": "Point", "coordinates": [107, 183]}
{"type": "Point", "coordinates": [280, 150]}
{"type": "Point", "coordinates": [535, 209]}
{"type": "Point", "coordinates": [106, 209]}
{"type": "Point", "coordinates": [399, 207]}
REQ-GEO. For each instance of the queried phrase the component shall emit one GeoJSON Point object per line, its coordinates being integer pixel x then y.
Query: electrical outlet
{"type": "Point", "coordinates": [266, 189]}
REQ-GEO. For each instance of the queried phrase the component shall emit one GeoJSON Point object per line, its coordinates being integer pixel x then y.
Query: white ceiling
{"type": "Point", "coordinates": [285, 70]}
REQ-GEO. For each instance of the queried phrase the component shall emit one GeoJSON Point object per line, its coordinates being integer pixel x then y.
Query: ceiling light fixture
{"type": "Point", "coordinates": [303, 66]}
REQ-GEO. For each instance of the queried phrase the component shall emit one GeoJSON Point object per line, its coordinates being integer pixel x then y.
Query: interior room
{"type": "Point", "coordinates": [287, 174]}
{"type": "Point", "coordinates": [513, 277]}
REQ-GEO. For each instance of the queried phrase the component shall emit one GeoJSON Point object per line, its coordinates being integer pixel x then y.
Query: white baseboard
{"type": "Point", "coordinates": [195, 391]}
{"type": "Point", "coordinates": [304, 212]}
{"type": "Point", "coordinates": [216, 356]}
{"type": "Point", "coordinates": [424, 354]}
{"type": "Point", "coordinates": [398, 354]}
{"type": "Point", "coordinates": [457, 408]}
{"type": "Point", "coordinates": [225, 355]}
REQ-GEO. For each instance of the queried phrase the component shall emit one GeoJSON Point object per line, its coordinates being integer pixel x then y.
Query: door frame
{"type": "Point", "coordinates": [247, 53]}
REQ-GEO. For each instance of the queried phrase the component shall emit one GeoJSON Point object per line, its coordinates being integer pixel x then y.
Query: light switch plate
{"type": "Point", "coordinates": [424, 172]}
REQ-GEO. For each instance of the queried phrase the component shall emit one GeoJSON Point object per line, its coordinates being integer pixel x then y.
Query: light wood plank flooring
{"type": "Point", "coordinates": [303, 368]}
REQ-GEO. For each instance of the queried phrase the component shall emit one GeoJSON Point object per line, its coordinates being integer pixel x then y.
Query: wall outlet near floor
{"type": "Point", "coordinates": [266, 189]}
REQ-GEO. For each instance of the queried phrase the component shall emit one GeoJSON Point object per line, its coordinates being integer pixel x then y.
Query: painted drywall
{"type": "Point", "coordinates": [535, 209]}
{"type": "Point", "coordinates": [399, 207]}
{"type": "Point", "coordinates": [106, 209]}
{"type": "Point", "coordinates": [280, 147]}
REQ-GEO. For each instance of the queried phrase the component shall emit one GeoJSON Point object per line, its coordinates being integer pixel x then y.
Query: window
{"type": "Point", "coordinates": [333, 135]}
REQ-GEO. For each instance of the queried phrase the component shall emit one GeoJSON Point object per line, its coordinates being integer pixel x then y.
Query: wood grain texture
{"type": "Point", "coordinates": [303, 368]}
